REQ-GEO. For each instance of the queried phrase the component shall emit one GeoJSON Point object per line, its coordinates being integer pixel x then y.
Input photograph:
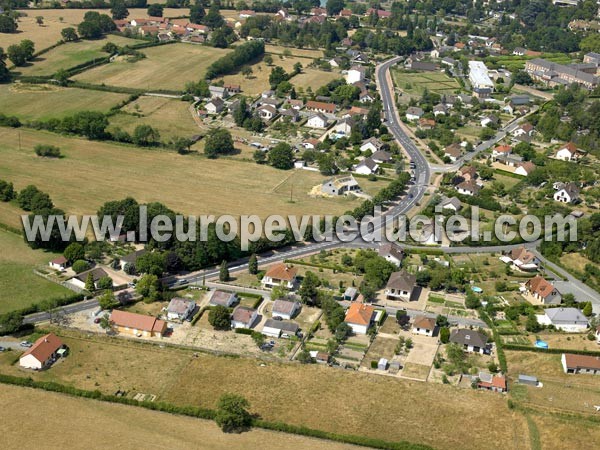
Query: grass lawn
{"type": "Point", "coordinates": [43, 102]}
{"type": "Point", "coordinates": [169, 116]}
{"type": "Point", "coordinates": [71, 54]}
{"type": "Point", "coordinates": [50, 411]}
{"type": "Point", "coordinates": [165, 67]}
{"type": "Point", "coordinates": [313, 78]}
{"type": "Point", "coordinates": [416, 83]}
{"type": "Point", "coordinates": [92, 173]}
{"type": "Point", "coordinates": [557, 433]}
{"type": "Point", "coordinates": [19, 286]}
{"type": "Point", "coordinates": [10, 214]}
{"type": "Point", "coordinates": [435, 415]}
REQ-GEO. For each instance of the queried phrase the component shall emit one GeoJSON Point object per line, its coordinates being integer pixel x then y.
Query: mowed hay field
{"type": "Point", "coordinates": [43, 101]}
{"type": "Point", "coordinates": [564, 433]}
{"type": "Point", "coordinates": [19, 286]}
{"type": "Point", "coordinates": [165, 67]}
{"type": "Point", "coordinates": [323, 398]}
{"type": "Point", "coordinates": [169, 116]}
{"type": "Point", "coordinates": [416, 83]}
{"type": "Point", "coordinates": [95, 425]}
{"type": "Point", "coordinates": [71, 54]}
{"type": "Point", "coordinates": [92, 173]}
{"type": "Point", "coordinates": [313, 78]}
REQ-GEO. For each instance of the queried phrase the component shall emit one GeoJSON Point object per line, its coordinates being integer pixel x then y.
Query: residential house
{"type": "Point", "coordinates": [421, 66]}
{"type": "Point", "coordinates": [414, 113]}
{"type": "Point", "coordinates": [424, 326]}
{"type": "Point", "coordinates": [344, 126]}
{"type": "Point", "coordinates": [335, 62]}
{"type": "Point", "coordinates": [137, 324]}
{"type": "Point", "coordinates": [243, 317]}
{"type": "Point", "coordinates": [280, 328]}
{"type": "Point", "coordinates": [365, 97]}
{"type": "Point", "coordinates": [525, 168]}
{"type": "Point", "coordinates": [543, 291]}
{"type": "Point", "coordinates": [214, 106]}
{"type": "Point", "coordinates": [341, 185]}
{"type": "Point", "coordinates": [372, 144]}
{"type": "Point", "coordinates": [392, 253]}
{"type": "Point", "coordinates": [285, 309]}
{"type": "Point", "coordinates": [223, 298]}
{"type": "Point", "coordinates": [350, 294]}
{"type": "Point", "coordinates": [570, 320]}
{"type": "Point", "coordinates": [245, 13]}
{"type": "Point", "coordinates": [471, 341]}
{"type": "Point", "coordinates": [569, 152]}
{"type": "Point", "coordinates": [490, 120]}
{"type": "Point", "coordinates": [60, 263]}
{"type": "Point", "coordinates": [468, 173]}
{"type": "Point", "coordinates": [400, 286]}
{"type": "Point", "coordinates": [360, 317]}
{"type": "Point", "coordinates": [501, 150]}
{"type": "Point", "coordinates": [322, 107]}
{"type": "Point", "coordinates": [519, 51]}
{"type": "Point", "coordinates": [495, 383]}
{"type": "Point", "coordinates": [447, 61]}
{"type": "Point", "coordinates": [317, 120]}
{"type": "Point", "coordinates": [357, 111]}
{"type": "Point", "coordinates": [568, 194]}
{"type": "Point", "coordinates": [42, 353]}
{"type": "Point", "coordinates": [292, 114]}
{"type": "Point", "coordinates": [180, 308]}
{"type": "Point", "coordinates": [267, 112]}
{"type": "Point", "coordinates": [280, 274]}
{"type": "Point", "coordinates": [233, 88]}
{"type": "Point", "coordinates": [367, 167]}
{"type": "Point", "coordinates": [426, 124]}
{"type": "Point", "coordinates": [80, 279]}
{"type": "Point", "coordinates": [453, 152]}
{"type": "Point", "coordinates": [381, 156]}
{"type": "Point", "coordinates": [310, 143]}
{"type": "Point", "coordinates": [131, 258]}
{"type": "Point", "coordinates": [452, 204]}
{"type": "Point", "coordinates": [580, 364]}
{"type": "Point", "coordinates": [381, 13]}
{"type": "Point", "coordinates": [525, 129]}
{"type": "Point", "coordinates": [218, 91]}
{"type": "Point", "coordinates": [509, 159]}
{"type": "Point", "coordinates": [355, 74]}
{"type": "Point", "coordinates": [440, 110]}
{"type": "Point", "coordinates": [524, 259]}
{"type": "Point", "coordinates": [296, 104]}
{"type": "Point", "coordinates": [469, 188]}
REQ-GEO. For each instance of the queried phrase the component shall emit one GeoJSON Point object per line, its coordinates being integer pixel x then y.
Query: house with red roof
{"type": "Point", "coordinates": [137, 324]}
{"type": "Point", "coordinates": [43, 353]}
{"type": "Point", "coordinates": [360, 317]}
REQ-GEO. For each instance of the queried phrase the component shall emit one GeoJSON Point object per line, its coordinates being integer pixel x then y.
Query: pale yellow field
{"type": "Point", "coordinates": [57, 419]}
{"type": "Point", "coordinates": [165, 67]}
{"type": "Point", "coordinates": [92, 173]}
{"type": "Point", "coordinates": [314, 78]}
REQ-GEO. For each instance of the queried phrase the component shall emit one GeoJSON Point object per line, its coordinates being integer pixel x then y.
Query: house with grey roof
{"type": "Point", "coordinates": [400, 286]}
{"type": "Point", "coordinates": [471, 341]}
{"type": "Point", "coordinates": [285, 309]}
{"type": "Point", "coordinates": [280, 328]}
{"type": "Point", "coordinates": [392, 253]}
{"type": "Point", "coordinates": [570, 320]}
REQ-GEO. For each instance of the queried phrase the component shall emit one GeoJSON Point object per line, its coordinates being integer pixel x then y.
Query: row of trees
{"type": "Point", "coordinates": [237, 58]}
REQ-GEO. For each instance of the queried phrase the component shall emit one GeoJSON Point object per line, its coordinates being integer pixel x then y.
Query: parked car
{"type": "Point", "coordinates": [26, 344]}
{"type": "Point", "coordinates": [2, 349]}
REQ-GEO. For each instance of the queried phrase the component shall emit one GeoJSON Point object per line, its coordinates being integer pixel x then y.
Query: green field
{"type": "Point", "coordinates": [165, 67]}
{"type": "Point", "coordinates": [19, 286]}
{"type": "Point", "coordinates": [43, 102]}
{"type": "Point", "coordinates": [71, 54]}
{"type": "Point", "coordinates": [416, 83]}
{"type": "Point", "coordinates": [92, 173]}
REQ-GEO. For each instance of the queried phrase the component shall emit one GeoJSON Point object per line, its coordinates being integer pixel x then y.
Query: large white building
{"type": "Point", "coordinates": [480, 79]}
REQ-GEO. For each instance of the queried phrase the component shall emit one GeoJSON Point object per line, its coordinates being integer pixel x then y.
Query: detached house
{"type": "Point", "coordinates": [524, 259]}
{"type": "Point", "coordinates": [214, 106]}
{"type": "Point", "coordinates": [223, 298]}
{"type": "Point", "coordinates": [414, 113]}
{"type": "Point", "coordinates": [341, 185]}
{"type": "Point", "coordinates": [543, 291]}
{"type": "Point", "coordinates": [137, 324]}
{"type": "Point", "coordinates": [322, 107]}
{"type": "Point", "coordinates": [317, 120]}
{"type": "Point", "coordinates": [280, 328]}
{"type": "Point", "coordinates": [453, 152]}
{"type": "Point", "coordinates": [60, 263]}
{"type": "Point", "coordinates": [355, 74]}
{"type": "Point", "coordinates": [280, 275]}
{"type": "Point", "coordinates": [373, 144]}
{"type": "Point", "coordinates": [42, 353]}
{"type": "Point", "coordinates": [424, 326]}
{"type": "Point", "coordinates": [469, 188]}
{"type": "Point", "coordinates": [381, 156]}
{"type": "Point", "coordinates": [267, 112]}
{"type": "Point", "coordinates": [568, 194]}
{"type": "Point", "coordinates": [360, 317]}
{"type": "Point", "coordinates": [525, 168]}
{"type": "Point", "coordinates": [580, 364]}
{"type": "Point", "coordinates": [496, 383]}
{"type": "Point", "coordinates": [285, 309]}
{"type": "Point", "coordinates": [569, 152]}
{"type": "Point", "coordinates": [392, 253]}
{"type": "Point", "coordinates": [243, 317]}
{"type": "Point", "coordinates": [367, 167]}
{"type": "Point", "coordinates": [570, 320]}
{"type": "Point", "coordinates": [471, 341]}
{"type": "Point", "coordinates": [180, 308]}
{"type": "Point", "coordinates": [97, 273]}
{"type": "Point", "coordinates": [400, 286]}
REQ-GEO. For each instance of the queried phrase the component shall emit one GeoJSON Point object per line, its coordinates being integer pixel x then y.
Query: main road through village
{"type": "Point", "coordinates": [422, 174]}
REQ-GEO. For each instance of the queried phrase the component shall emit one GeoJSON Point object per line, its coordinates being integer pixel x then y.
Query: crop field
{"type": "Point", "coordinates": [392, 410]}
{"type": "Point", "coordinates": [17, 261]}
{"type": "Point", "coordinates": [416, 83]}
{"type": "Point", "coordinates": [170, 117]}
{"type": "Point", "coordinates": [42, 101]}
{"type": "Point", "coordinates": [165, 67]}
{"type": "Point", "coordinates": [71, 54]}
{"type": "Point", "coordinates": [301, 52]}
{"type": "Point", "coordinates": [91, 173]}
{"type": "Point", "coordinates": [128, 425]}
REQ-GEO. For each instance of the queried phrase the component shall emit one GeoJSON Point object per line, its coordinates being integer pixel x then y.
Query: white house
{"type": "Point", "coordinates": [180, 308]}
{"type": "Point", "coordinates": [223, 298]}
{"type": "Point", "coordinates": [452, 204]}
{"type": "Point", "coordinates": [568, 194]}
{"type": "Point", "coordinates": [280, 328]}
{"type": "Point", "coordinates": [355, 74]}
{"type": "Point", "coordinates": [570, 320]}
{"type": "Point", "coordinates": [392, 253]}
{"type": "Point", "coordinates": [218, 91]}
{"type": "Point", "coordinates": [80, 279]}
{"type": "Point", "coordinates": [373, 144]}
{"type": "Point", "coordinates": [243, 317]}
{"type": "Point", "coordinates": [360, 317]}
{"type": "Point", "coordinates": [400, 286]}
{"type": "Point", "coordinates": [424, 326]}
{"type": "Point", "coordinates": [414, 113]}
{"type": "Point", "coordinates": [215, 106]}
{"type": "Point", "coordinates": [471, 341]}
{"type": "Point", "coordinates": [344, 126]}
{"type": "Point", "coordinates": [524, 130]}
{"type": "Point", "coordinates": [280, 275]}
{"type": "Point", "coordinates": [580, 363]}
{"type": "Point", "coordinates": [42, 353]}
{"type": "Point", "coordinates": [267, 112]}
{"type": "Point", "coordinates": [540, 289]}
{"type": "Point", "coordinates": [60, 263]}
{"type": "Point", "coordinates": [317, 120]}
{"type": "Point", "coordinates": [524, 168]}
{"type": "Point", "coordinates": [366, 167]}
{"type": "Point", "coordinates": [524, 259]}
{"type": "Point", "coordinates": [469, 188]}
{"type": "Point", "coordinates": [285, 309]}
{"type": "Point", "coordinates": [569, 152]}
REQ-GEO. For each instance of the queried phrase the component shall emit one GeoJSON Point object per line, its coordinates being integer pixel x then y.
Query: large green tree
{"type": "Point", "coordinates": [218, 141]}
{"type": "Point", "coordinates": [219, 318]}
{"type": "Point", "coordinates": [232, 413]}
{"type": "Point", "coordinates": [281, 156]}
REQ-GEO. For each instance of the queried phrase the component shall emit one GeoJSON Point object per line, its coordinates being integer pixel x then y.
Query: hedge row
{"type": "Point", "coordinates": [208, 414]}
{"type": "Point", "coordinates": [316, 265]}
{"type": "Point", "coordinates": [497, 339]}
{"type": "Point", "coordinates": [525, 348]}
{"type": "Point", "coordinates": [14, 230]}
{"type": "Point", "coordinates": [247, 331]}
